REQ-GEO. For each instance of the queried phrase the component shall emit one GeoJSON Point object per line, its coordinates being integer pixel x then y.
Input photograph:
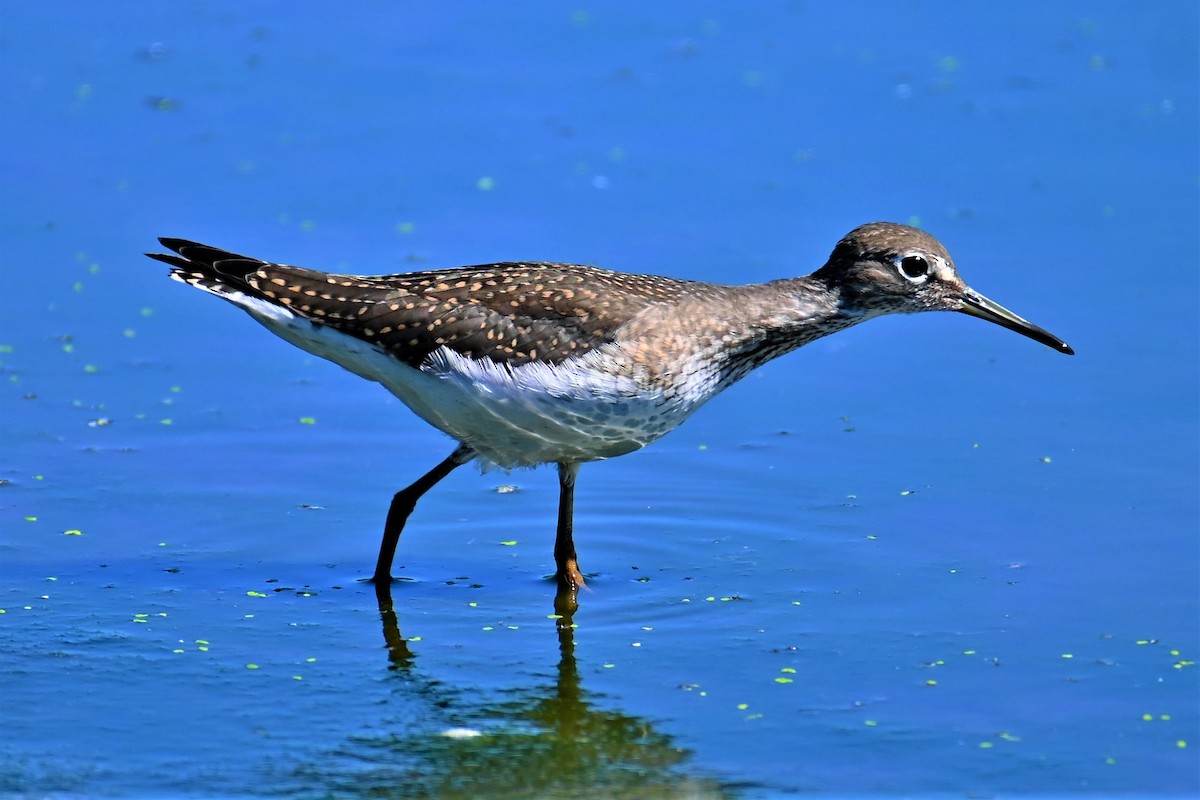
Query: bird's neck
{"type": "Point", "coordinates": [713, 339]}
{"type": "Point", "coordinates": [769, 320]}
{"type": "Point", "coordinates": [789, 313]}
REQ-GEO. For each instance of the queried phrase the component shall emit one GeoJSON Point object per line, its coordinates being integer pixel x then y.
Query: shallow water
{"type": "Point", "coordinates": [924, 556]}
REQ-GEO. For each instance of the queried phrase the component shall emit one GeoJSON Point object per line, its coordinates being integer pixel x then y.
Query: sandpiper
{"type": "Point", "coordinates": [527, 363]}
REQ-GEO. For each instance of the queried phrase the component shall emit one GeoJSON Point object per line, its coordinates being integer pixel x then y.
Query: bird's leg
{"type": "Point", "coordinates": [402, 505]}
{"type": "Point", "coordinates": [567, 573]}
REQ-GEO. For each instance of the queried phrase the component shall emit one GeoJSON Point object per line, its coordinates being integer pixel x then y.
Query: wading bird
{"type": "Point", "coordinates": [527, 363]}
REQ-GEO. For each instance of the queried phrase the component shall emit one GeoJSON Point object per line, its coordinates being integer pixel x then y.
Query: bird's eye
{"type": "Point", "coordinates": [914, 267]}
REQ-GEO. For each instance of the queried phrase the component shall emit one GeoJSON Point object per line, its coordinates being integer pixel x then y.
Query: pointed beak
{"type": "Point", "coordinates": [977, 305]}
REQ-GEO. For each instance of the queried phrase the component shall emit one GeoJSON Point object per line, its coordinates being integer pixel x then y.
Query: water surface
{"type": "Point", "coordinates": [924, 556]}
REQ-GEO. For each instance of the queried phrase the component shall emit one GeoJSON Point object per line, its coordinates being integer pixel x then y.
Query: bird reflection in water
{"type": "Point", "coordinates": [549, 740]}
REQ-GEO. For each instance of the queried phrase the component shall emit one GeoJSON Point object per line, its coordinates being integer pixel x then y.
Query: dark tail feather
{"type": "Point", "coordinates": [206, 263]}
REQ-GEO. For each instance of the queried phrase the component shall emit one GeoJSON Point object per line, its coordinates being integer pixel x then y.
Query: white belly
{"type": "Point", "coordinates": [535, 413]}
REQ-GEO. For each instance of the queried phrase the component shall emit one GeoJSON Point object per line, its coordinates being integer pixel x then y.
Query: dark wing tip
{"type": "Point", "coordinates": [170, 258]}
{"type": "Point", "coordinates": [195, 254]}
{"type": "Point", "coordinates": [183, 259]}
{"type": "Point", "coordinates": [194, 258]}
{"type": "Point", "coordinates": [177, 245]}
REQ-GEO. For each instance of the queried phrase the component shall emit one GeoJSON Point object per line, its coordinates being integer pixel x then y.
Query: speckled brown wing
{"type": "Point", "coordinates": [511, 312]}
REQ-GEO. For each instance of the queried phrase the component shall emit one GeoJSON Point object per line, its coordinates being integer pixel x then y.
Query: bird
{"type": "Point", "coordinates": [528, 363]}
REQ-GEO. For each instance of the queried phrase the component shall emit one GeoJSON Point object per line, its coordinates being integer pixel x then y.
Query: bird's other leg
{"type": "Point", "coordinates": [402, 505]}
{"type": "Point", "coordinates": [567, 573]}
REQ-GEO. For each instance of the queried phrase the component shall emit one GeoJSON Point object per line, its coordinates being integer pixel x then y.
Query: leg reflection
{"type": "Point", "coordinates": [398, 653]}
{"type": "Point", "coordinates": [533, 739]}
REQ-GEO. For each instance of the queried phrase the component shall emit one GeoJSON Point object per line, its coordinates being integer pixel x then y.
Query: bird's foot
{"type": "Point", "coordinates": [569, 576]}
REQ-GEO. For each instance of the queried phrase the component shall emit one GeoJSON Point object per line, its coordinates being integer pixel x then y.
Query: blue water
{"type": "Point", "coordinates": [923, 556]}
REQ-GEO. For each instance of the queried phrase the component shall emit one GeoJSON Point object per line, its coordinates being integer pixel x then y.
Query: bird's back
{"type": "Point", "coordinates": [511, 312]}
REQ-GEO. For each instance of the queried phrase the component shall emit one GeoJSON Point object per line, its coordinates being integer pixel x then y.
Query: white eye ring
{"type": "Point", "coordinates": [913, 267]}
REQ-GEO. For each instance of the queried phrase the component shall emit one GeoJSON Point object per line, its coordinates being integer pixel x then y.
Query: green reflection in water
{"type": "Point", "coordinates": [538, 742]}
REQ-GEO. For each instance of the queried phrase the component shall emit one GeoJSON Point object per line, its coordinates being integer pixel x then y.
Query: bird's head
{"type": "Point", "coordinates": [885, 267]}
